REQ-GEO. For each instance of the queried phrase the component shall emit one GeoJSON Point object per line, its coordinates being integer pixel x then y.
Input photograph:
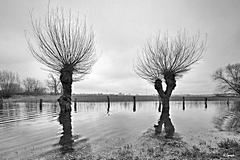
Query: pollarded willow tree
{"type": "Point", "coordinates": [166, 59]}
{"type": "Point", "coordinates": [66, 47]}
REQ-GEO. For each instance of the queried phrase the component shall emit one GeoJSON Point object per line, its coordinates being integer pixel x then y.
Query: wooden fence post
{"type": "Point", "coordinates": [108, 108]}
{"type": "Point", "coordinates": [134, 103]}
{"type": "Point", "coordinates": [206, 102]}
{"type": "Point", "coordinates": [75, 104]}
{"type": "Point", "coordinates": [183, 100]}
{"type": "Point", "coordinates": [40, 104]}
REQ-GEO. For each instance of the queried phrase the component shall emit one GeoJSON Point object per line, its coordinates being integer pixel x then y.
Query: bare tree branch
{"type": "Point", "coordinates": [228, 78]}
{"type": "Point", "coordinates": [169, 55]}
{"type": "Point", "coordinates": [63, 42]}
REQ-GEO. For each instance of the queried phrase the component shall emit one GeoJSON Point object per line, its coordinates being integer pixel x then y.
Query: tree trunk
{"type": "Point", "coordinates": [66, 140]}
{"type": "Point", "coordinates": [165, 119]}
{"type": "Point", "coordinates": [165, 97]}
{"type": "Point", "coordinates": [65, 99]}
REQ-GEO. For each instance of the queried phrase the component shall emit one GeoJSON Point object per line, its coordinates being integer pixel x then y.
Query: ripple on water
{"type": "Point", "coordinates": [26, 131]}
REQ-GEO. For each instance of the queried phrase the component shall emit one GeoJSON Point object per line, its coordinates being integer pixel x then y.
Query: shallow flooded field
{"type": "Point", "coordinates": [28, 130]}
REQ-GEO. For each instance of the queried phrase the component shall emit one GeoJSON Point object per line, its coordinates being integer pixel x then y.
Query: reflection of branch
{"type": "Point", "coordinates": [230, 121]}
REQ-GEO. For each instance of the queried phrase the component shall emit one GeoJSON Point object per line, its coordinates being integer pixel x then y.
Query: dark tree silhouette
{"type": "Point", "coordinates": [66, 47]}
{"type": "Point", "coordinates": [229, 78]}
{"type": "Point", "coordinates": [168, 58]}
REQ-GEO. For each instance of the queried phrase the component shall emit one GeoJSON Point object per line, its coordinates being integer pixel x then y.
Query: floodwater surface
{"type": "Point", "coordinates": [28, 130]}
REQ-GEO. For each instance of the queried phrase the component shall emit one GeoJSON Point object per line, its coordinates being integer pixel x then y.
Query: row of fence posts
{"type": "Point", "coordinates": [41, 104]}
{"type": "Point", "coordinates": [108, 101]}
{"type": "Point", "coordinates": [205, 100]}
{"type": "Point", "coordinates": [134, 104]}
{"type": "Point", "coordinates": [183, 101]}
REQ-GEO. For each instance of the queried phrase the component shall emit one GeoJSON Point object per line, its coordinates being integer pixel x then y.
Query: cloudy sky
{"type": "Point", "coordinates": [122, 27]}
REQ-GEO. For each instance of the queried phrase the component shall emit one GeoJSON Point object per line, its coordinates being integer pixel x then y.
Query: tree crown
{"type": "Point", "coordinates": [63, 43]}
{"type": "Point", "coordinates": [169, 56]}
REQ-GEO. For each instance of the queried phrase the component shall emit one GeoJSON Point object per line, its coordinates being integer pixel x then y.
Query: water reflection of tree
{"type": "Point", "coordinates": [168, 125]}
{"type": "Point", "coordinates": [229, 120]}
{"type": "Point", "coordinates": [76, 146]}
{"type": "Point", "coordinates": [66, 140]}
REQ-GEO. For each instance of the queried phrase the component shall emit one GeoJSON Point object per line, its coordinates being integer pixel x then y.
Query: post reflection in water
{"type": "Point", "coordinates": [134, 107]}
{"type": "Point", "coordinates": [205, 105]}
{"type": "Point", "coordinates": [206, 102]}
{"type": "Point", "coordinates": [134, 104]}
{"type": "Point", "coordinates": [66, 140]}
{"type": "Point", "coordinates": [183, 104]}
{"type": "Point", "coordinates": [108, 109]}
{"type": "Point", "coordinates": [75, 107]}
{"type": "Point", "coordinates": [40, 105]}
{"type": "Point", "coordinates": [183, 101]}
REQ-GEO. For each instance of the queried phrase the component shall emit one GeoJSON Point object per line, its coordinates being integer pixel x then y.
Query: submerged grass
{"type": "Point", "coordinates": [153, 147]}
{"type": "Point", "coordinates": [230, 148]}
{"type": "Point", "coordinates": [156, 147]}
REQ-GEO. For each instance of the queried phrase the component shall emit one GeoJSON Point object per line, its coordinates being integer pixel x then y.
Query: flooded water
{"type": "Point", "coordinates": [28, 130]}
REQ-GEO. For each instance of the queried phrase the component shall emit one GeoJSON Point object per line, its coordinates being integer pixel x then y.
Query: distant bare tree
{"type": "Point", "coordinates": [66, 47]}
{"type": "Point", "coordinates": [168, 58]}
{"type": "Point", "coordinates": [53, 84]}
{"type": "Point", "coordinates": [33, 86]}
{"type": "Point", "coordinates": [9, 83]}
{"type": "Point", "coordinates": [228, 78]}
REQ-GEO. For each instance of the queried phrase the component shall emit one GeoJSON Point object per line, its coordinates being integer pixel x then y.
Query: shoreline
{"type": "Point", "coordinates": [154, 147]}
{"type": "Point", "coordinates": [119, 98]}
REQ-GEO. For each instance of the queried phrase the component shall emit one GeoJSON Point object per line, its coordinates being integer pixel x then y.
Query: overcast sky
{"type": "Point", "coordinates": [122, 27]}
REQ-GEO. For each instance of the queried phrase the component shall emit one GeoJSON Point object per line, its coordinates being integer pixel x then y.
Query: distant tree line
{"type": "Point", "coordinates": [11, 84]}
